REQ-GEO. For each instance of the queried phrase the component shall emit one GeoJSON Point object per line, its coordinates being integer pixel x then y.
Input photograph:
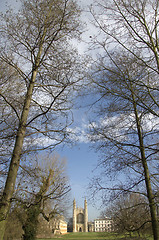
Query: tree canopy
{"type": "Point", "coordinates": [42, 77]}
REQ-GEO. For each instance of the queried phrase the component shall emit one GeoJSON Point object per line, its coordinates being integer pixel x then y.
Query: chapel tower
{"type": "Point", "coordinates": [80, 218]}
{"type": "Point", "coordinates": [85, 216]}
{"type": "Point", "coordinates": [74, 216]}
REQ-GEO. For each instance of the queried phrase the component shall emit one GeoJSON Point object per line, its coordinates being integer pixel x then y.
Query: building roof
{"type": "Point", "coordinates": [102, 219]}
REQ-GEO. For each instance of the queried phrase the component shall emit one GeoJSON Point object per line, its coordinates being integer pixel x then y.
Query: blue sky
{"type": "Point", "coordinates": [80, 159]}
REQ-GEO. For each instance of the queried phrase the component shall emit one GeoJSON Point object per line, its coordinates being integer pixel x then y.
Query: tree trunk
{"type": "Point", "coordinates": [15, 160]}
{"type": "Point", "coordinates": [150, 195]}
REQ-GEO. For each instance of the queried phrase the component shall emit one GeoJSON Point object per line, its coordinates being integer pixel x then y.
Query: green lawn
{"type": "Point", "coordinates": [95, 236]}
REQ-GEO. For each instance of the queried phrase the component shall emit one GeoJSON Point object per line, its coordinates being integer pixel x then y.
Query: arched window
{"type": "Point", "coordinates": [80, 218]}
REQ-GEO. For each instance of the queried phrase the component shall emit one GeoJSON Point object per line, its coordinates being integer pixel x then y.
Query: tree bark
{"type": "Point", "coordinates": [15, 160]}
{"type": "Point", "coordinates": [150, 195]}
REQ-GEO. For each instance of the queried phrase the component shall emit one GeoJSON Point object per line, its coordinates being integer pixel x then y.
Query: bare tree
{"type": "Point", "coordinates": [129, 213]}
{"type": "Point", "coordinates": [42, 191]}
{"type": "Point", "coordinates": [126, 76]}
{"type": "Point", "coordinates": [126, 133]}
{"type": "Point", "coordinates": [35, 50]}
{"type": "Point", "coordinates": [132, 27]}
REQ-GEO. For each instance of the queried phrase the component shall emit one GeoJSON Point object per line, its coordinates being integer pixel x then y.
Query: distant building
{"type": "Point", "coordinates": [59, 227]}
{"type": "Point", "coordinates": [90, 226]}
{"type": "Point", "coordinates": [80, 218]}
{"type": "Point", "coordinates": [103, 225]}
{"type": "Point", "coordinates": [54, 226]}
{"type": "Point", "coordinates": [79, 222]}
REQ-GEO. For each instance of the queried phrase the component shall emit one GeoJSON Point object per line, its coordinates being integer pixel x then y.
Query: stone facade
{"type": "Point", "coordinates": [91, 227]}
{"type": "Point", "coordinates": [60, 227]}
{"type": "Point", "coordinates": [80, 218]}
{"type": "Point", "coordinates": [103, 225]}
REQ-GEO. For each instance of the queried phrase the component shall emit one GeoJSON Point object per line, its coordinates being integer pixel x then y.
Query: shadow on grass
{"type": "Point", "coordinates": [97, 236]}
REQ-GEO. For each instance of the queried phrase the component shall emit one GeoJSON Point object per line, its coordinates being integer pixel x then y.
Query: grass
{"type": "Point", "coordinates": [96, 236]}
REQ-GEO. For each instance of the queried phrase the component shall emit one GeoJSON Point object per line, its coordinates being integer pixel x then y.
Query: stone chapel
{"type": "Point", "coordinates": [80, 218]}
